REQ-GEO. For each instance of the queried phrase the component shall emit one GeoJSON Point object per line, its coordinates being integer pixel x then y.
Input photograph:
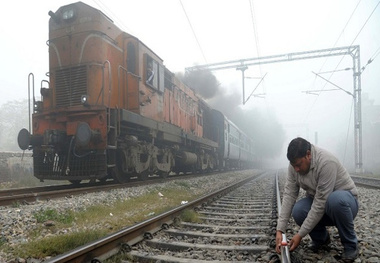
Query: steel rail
{"type": "Point", "coordinates": [124, 239]}
{"type": "Point", "coordinates": [39, 193]}
{"type": "Point", "coordinates": [285, 254]}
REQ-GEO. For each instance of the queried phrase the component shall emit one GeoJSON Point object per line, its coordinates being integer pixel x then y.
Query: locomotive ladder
{"type": "Point", "coordinates": [112, 130]}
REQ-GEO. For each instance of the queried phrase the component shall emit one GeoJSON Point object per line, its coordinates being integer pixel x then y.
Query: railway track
{"type": "Point", "coordinates": [235, 227]}
{"type": "Point", "coordinates": [367, 182]}
{"type": "Point", "coordinates": [33, 194]}
{"type": "Point", "coordinates": [237, 223]}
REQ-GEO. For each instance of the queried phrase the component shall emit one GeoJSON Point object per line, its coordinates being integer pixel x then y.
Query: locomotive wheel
{"type": "Point", "coordinates": [119, 172]}
{"type": "Point", "coordinates": [143, 176]}
{"type": "Point", "coordinates": [119, 176]}
{"type": "Point", "coordinates": [163, 175]}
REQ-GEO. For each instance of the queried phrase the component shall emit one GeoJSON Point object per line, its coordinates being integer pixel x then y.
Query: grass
{"type": "Point", "coordinates": [190, 216]}
{"type": "Point", "coordinates": [51, 214]}
{"type": "Point", "coordinates": [56, 245]}
{"type": "Point", "coordinates": [97, 221]}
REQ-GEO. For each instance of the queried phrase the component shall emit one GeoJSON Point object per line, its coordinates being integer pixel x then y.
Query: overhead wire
{"type": "Point", "coordinates": [102, 6]}
{"type": "Point", "coordinates": [344, 29]}
{"type": "Point", "coordinates": [372, 58]}
{"type": "Point", "coordinates": [348, 131]}
{"type": "Point", "coordinates": [192, 29]}
{"type": "Point", "coordinates": [361, 29]}
{"type": "Point", "coordinates": [257, 42]}
{"type": "Point", "coordinates": [336, 42]}
{"type": "Point", "coordinates": [254, 27]}
{"type": "Point", "coordinates": [369, 61]}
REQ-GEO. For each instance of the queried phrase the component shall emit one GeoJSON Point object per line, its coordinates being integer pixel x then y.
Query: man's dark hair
{"type": "Point", "coordinates": [297, 148]}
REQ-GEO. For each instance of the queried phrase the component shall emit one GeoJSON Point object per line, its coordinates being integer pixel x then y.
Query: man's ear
{"type": "Point", "coordinates": [308, 154]}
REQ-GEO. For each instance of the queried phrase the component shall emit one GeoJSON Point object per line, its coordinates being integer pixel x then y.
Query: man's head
{"type": "Point", "coordinates": [299, 155]}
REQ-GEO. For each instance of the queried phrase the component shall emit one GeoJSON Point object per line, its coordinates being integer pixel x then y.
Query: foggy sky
{"type": "Point", "coordinates": [229, 30]}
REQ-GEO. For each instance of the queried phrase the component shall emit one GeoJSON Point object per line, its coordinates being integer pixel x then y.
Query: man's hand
{"type": "Point", "coordinates": [278, 241]}
{"type": "Point", "coordinates": [294, 242]}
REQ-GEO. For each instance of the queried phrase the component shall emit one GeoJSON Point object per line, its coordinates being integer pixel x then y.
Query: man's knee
{"type": "Point", "coordinates": [336, 200]}
{"type": "Point", "coordinates": [340, 202]}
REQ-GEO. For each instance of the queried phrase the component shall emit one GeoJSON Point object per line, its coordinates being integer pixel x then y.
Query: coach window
{"type": "Point", "coordinates": [199, 120]}
{"type": "Point", "coordinates": [131, 58]}
{"type": "Point", "coordinates": [151, 74]}
{"type": "Point", "coordinates": [168, 82]}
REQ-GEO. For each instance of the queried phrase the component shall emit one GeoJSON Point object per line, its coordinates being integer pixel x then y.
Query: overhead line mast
{"type": "Point", "coordinates": [353, 51]}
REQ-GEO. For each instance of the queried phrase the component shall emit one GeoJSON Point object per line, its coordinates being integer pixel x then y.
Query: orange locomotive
{"type": "Point", "coordinates": [112, 110]}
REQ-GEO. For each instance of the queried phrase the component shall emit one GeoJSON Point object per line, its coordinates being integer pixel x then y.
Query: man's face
{"type": "Point", "coordinates": [302, 165]}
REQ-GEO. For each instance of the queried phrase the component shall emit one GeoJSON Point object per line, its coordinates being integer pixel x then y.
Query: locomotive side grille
{"type": "Point", "coordinates": [71, 84]}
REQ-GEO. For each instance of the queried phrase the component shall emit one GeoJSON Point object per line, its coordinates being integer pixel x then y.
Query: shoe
{"type": "Point", "coordinates": [350, 255]}
{"type": "Point", "coordinates": [315, 246]}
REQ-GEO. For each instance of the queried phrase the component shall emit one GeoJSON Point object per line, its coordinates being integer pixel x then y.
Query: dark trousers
{"type": "Point", "coordinates": [340, 211]}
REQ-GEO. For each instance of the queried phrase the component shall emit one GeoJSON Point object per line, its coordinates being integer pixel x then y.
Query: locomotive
{"type": "Point", "coordinates": [112, 110]}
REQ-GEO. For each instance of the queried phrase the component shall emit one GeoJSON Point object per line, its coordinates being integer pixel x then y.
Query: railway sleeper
{"type": "Point", "coordinates": [234, 220]}
{"type": "Point", "coordinates": [180, 246]}
{"type": "Point", "coordinates": [176, 232]}
{"type": "Point", "coordinates": [235, 215]}
{"type": "Point", "coordinates": [245, 206]}
{"type": "Point", "coordinates": [247, 210]}
{"type": "Point", "coordinates": [167, 259]}
{"type": "Point", "coordinates": [214, 228]}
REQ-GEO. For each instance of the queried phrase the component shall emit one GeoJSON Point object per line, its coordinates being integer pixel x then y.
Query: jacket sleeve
{"type": "Point", "coordinates": [290, 195]}
{"type": "Point", "coordinates": [326, 178]}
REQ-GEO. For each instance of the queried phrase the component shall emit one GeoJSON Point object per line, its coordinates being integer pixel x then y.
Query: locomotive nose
{"type": "Point", "coordinates": [23, 139]}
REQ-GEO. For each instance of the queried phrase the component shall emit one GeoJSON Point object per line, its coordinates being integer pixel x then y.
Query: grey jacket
{"type": "Point", "coordinates": [326, 175]}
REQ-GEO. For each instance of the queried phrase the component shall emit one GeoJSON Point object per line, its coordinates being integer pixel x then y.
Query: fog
{"type": "Point", "coordinates": [185, 33]}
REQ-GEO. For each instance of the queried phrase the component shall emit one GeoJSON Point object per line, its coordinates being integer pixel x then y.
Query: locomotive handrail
{"type": "Point", "coordinates": [29, 76]}
{"type": "Point", "coordinates": [109, 82]}
{"type": "Point", "coordinates": [101, 93]}
{"type": "Point", "coordinates": [118, 84]}
{"type": "Point", "coordinates": [44, 80]}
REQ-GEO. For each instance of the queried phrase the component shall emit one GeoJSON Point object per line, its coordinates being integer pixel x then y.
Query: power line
{"type": "Point", "coordinates": [344, 28]}
{"type": "Point", "coordinates": [341, 33]}
{"type": "Point", "coordinates": [255, 34]}
{"type": "Point", "coordinates": [343, 56]}
{"type": "Point", "coordinates": [365, 23]}
{"type": "Point", "coordinates": [348, 131]}
{"type": "Point", "coordinates": [106, 10]}
{"type": "Point", "coordinates": [192, 29]}
{"type": "Point", "coordinates": [372, 58]}
{"type": "Point", "coordinates": [254, 27]}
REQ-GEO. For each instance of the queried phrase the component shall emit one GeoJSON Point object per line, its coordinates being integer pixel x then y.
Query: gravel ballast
{"type": "Point", "coordinates": [18, 222]}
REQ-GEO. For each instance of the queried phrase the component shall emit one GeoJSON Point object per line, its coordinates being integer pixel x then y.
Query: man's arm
{"type": "Point", "coordinates": [290, 195]}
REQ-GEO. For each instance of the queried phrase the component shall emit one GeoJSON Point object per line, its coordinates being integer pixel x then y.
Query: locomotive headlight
{"type": "Point", "coordinates": [68, 14]}
{"type": "Point", "coordinates": [83, 134]}
{"type": "Point", "coordinates": [84, 100]}
{"type": "Point", "coordinates": [38, 107]}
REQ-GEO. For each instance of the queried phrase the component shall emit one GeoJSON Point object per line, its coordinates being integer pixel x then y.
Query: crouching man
{"type": "Point", "coordinates": [331, 199]}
